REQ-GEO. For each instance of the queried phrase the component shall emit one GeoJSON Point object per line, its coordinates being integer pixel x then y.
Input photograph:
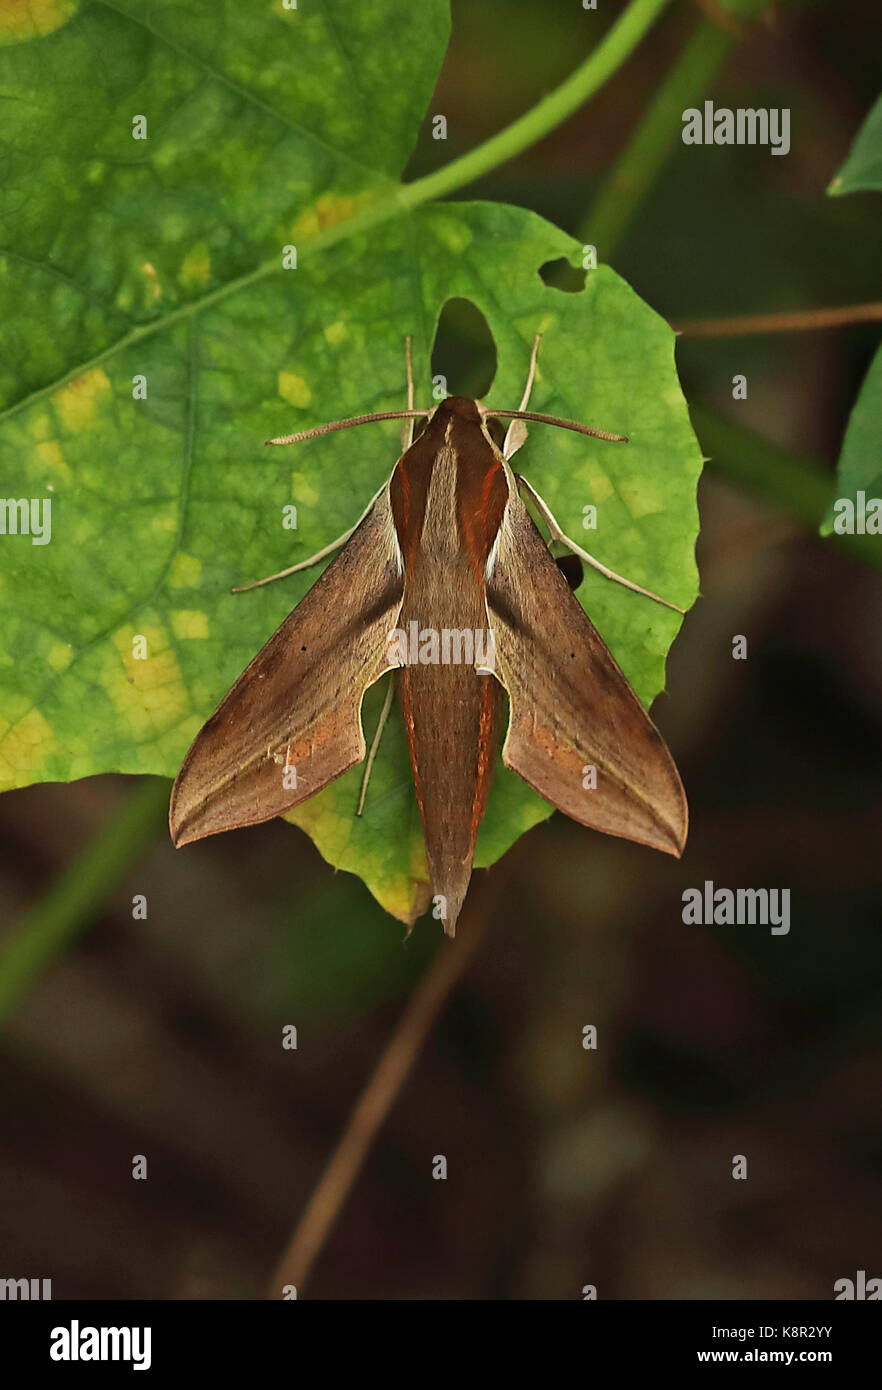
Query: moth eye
{"type": "Point", "coordinates": [496, 430]}
{"type": "Point", "coordinates": [571, 568]}
{"type": "Point", "coordinates": [303, 649]}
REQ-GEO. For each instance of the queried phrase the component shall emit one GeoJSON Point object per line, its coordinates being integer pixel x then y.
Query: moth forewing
{"type": "Point", "coordinates": [572, 711]}
{"type": "Point", "coordinates": [292, 721]}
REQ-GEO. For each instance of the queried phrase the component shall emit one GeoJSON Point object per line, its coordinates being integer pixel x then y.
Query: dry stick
{"type": "Point", "coordinates": [376, 1100]}
{"type": "Point", "coordinates": [800, 321]}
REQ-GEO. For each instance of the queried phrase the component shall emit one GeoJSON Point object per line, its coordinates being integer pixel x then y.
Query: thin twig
{"type": "Point", "coordinates": [378, 1096]}
{"type": "Point", "coordinates": [798, 321]}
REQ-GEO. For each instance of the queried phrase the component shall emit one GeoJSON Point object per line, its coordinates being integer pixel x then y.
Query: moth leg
{"type": "Point", "coordinates": [558, 535]}
{"type": "Point", "coordinates": [313, 559]}
{"type": "Point", "coordinates": [408, 428]}
{"type": "Point", "coordinates": [516, 433]}
{"type": "Point", "coordinates": [381, 724]}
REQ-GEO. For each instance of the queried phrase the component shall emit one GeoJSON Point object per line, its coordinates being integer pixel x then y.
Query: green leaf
{"type": "Point", "coordinates": [859, 468]}
{"type": "Point", "coordinates": [860, 463]}
{"type": "Point", "coordinates": [167, 264]}
{"type": "Point", "coordinates": [862, 170]}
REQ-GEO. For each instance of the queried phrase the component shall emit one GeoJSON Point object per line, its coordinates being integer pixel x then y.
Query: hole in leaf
{"type": "Point", "coordinates": [560, 275]}
{"type": "Point", "coordinates": [464, 352]}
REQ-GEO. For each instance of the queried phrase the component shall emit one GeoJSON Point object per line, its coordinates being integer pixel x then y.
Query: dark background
{"type": "Point", "coordinates": [566, 1167]}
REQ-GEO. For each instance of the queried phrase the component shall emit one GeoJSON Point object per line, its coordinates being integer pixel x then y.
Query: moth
{"type": "Point", "coordinates": [446, 550]}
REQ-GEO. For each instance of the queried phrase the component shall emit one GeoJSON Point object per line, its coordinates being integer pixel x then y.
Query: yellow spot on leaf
{"type": "Point", "coordinates": [165, 522]}
{"type": "Point", "coordinates": [642, 500]}
{"type": "Point", "coordinates": [29, 19]}
{"type": "Point", "coordinates": [330, 209]}
{"type": "Point", "coordinates": [294, 389]}
{"type": "Point", "coordinates": [186, 572]}
{"type": "Point", "coordinates": [545, 323]}
{"type": "Point", "coordinates": [150, 271]}
{"type": "Point", "coordinates": [79, 402]}
{"type": "Point", "coordinates": [600, 489]}
{"type": "Point", "coordinates": [25, 748]}
{"type": "Point", "coordinates": [189, 623]}
{"type": "Point", "coordinates": [451, 231]}
{"type": "Point", "coordinates": [50, 455]}
{"type": "Point", "coordinates": [149, 694]}
{"type": "Point", "coordinates": [60, 656]}
{"type": "Point", "coordinates": [196, 265]}
{"type": "Point", "coordinates": [303, 491]}
{"type": "Point", "coordinates": [336, 332]}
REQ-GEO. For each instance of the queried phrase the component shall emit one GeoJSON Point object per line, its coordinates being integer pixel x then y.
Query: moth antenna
{"type": "Point", "coordinates": [554, 420]}
{"type": "Point", "coordinates": [516, 434]}
{"type": "Point", "coordinates": [408, 360]}
{"type": "Point", "coordinates": [531, 373]}
{"type": "Point", "coordinates": [408, 429]}
{"type": "Point", "coordinates": [558, 535]}
{"type": "Point", "coordinates": [345, 425]}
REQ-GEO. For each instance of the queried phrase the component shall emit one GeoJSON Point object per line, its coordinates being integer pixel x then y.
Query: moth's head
{"type": "Point", "coordinates": [467, 411]}
{"type": "Point", "coordinates": [463, 407]}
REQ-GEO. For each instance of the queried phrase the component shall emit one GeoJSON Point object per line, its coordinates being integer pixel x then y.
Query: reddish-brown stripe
{"type": "Point", "coordinates": [481, 495]}
{"type": "Point", "coordinates": [486, 489]}
{"type": "Point", "coordinates": [409, 489]}
{"type": "Point", "coordinates": [486, 751]}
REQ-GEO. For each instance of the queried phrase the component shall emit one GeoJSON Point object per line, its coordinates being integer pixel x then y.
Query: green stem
{"type": "Point", "coordinates": [546, 115]}
{"type": "Point", "coordinates": [640, 162]}
{"type": "Point", "coordinates": [77, 894]}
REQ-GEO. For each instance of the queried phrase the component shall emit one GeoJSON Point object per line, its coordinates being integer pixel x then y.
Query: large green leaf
{"type": "Point", "coordinates": [862, 169]}
{"type": "Point", "coordinates": [163, 258]}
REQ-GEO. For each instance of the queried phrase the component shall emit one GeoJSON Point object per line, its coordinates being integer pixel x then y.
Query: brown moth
{"type": "Point", "coordinates": [446, 551]}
